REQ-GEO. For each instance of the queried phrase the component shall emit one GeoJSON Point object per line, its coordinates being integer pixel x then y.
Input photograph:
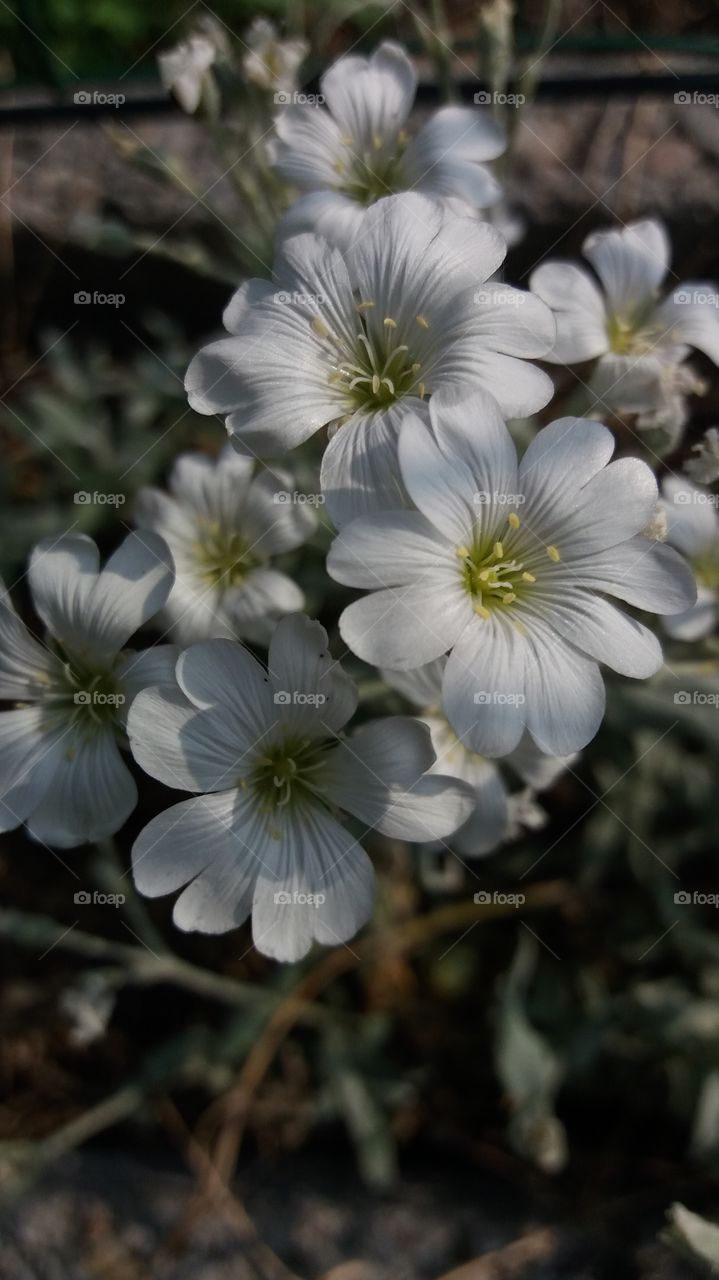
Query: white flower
{"type": "Point", "coordinates": [223, 528]}
{"type": "Point", "coordinates": [498, 814]}
{"type": "Point", "coordinates": [693, 528]}
{"type": "Point", "coordinates": [627, 324]}
{"type": "Point", "coordinates": [704, 468]}
{"type": "Point", "coordinates": [355, 341]}
{"type": "Point", "coordinates": [184, 69]}
{"type": "Point", "coordinates": [266, 836]}
{"type": "Point", "coordinates": [360, 149]}
{"type": "Point", "coordinates": [270, 62]}
{"type": "Point", "coordinates": [63, 774]}
{"type": "Point", "coordinates": [508, 568]}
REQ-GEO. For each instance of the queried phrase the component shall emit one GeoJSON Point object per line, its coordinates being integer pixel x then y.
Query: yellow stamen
{"type": "Point", "coordinates": [553, 554]}
{"type": "Point", "coordinates": [423, 322]}
{"type": "Point", "coordinates": [376, 384]}
{"type": "Point", "coordinates": [513, 519]}
{"type": "Point", "coordinates": [485, 574]}
{"type": "Point", "coordinates": [364, 306]}
{"type": "Point", "coordinates": [462, 552]}
{"type": "Point", "coordinates": [389, 323]}
{"type": "Point", "coordinates": [498, 550]}
{"type": "Point", "coordinates": [509, 598]}
{"type": "Point", "coordinates": [483, 613]}
{"type": "Point", "coordinates": [319, 327]}
{"type": "Point", "coordinates": [528, 577]}
{"type": "Point", "coordinates": [422, 390]}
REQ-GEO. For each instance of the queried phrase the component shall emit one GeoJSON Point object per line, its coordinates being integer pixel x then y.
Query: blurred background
{"type": "Point", "coordinates": [512, 1089]}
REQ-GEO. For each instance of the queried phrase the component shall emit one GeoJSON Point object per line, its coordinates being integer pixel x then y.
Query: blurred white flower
{"type": "Point", "coordinates": [63, 774]}
{"type": "Point", "coordinates": [508, 568]}
{"type": "Point", "coordinates": [627, 325]}
{"type": "Point", "coordinates": [271, 62]}
{"type": "Point", "coordinates": [499, 814]}
{"type": "Point", "coordinates": [355, 340]}
{"type": "Point", "coordinates": [184, 69]}
{"type": "Point", "coordinates": [263, 748]}
{"type": "Point", "coordinates": [361, 149]}
{"type": "Point", "coordinates": [224, 527]}
{"type": "Point", "coordinates": [704, 467]}
{"type": "Point", "coordinates": [693, 528]}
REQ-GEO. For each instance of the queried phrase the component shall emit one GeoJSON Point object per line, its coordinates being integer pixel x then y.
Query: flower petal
{"type": "Point", "coordinates": [408, 626]}
{"type": "Point", "coordinates": [565, 693]}
{"type": "Point", "coordinates": [483, 690]}
{"type": "Point", "coordinates": [62, 573]}
{"type": "Point", "coordinates": [129, 591]}
{"type": "Point", "coordinates": [182, 747]}
{"type": "Point", "coordinates": [578, 308]}
{"type": "Point", "coordinates": [391, 548]}
{"type": "Point", "coordinates": [179, 843]}
{"type": "Point", "coordinates": [631, 263]}
{"type": "Point", "coordinates": [647, 574]}
{"type": "Point", "coordinates": [90, 795]}
{"type": "Point", "coordinates": [371, 97]}
{"type": "Point", "coordinates": [360, 471]}
{"type": "Point", "coordinates": [24, 664]}
{"type": "Point", "coordinates": [380, 776]}
{"type": "Point", "coordinates": [319, 886]}
{"type": "Point", "coordinates": [311, 692]}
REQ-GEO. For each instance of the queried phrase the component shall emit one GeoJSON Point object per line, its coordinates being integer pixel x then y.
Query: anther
{"type": "Point", "coordinates": [319, 327]}
{"type": "Point", "coordinates": [422, 321]}
{"type": "Point", "coordinates": [482, 611]}
{"type": "Point", "coordinates": [389, 323]}
{"type": "Point", "coordinates": [553, 554]}
{"type": "Point", "coordinates": [462, 552]}
{"type": "Point", "coordinates": [528, 577]}
{"type": "Point", "coordinates": [513, 519]}
{"type": "Point", "coordinates": [498, 550]}
{"type": "Point", "coordinates": [364, 306]}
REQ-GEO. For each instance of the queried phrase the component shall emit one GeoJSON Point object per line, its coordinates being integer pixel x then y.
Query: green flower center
{"type": "Point", "coordinates": [289, 772]}
{"type": "Point", "coordinates": [375, 171]}
{"type": "Point", "coordinates": [88, 697]}
{"type": "Point", "coordinates": [378, 368]}
{"type": "Point", "coordinates": [495, 574]}
{"type": "Point", "coordinates": [223, 555]}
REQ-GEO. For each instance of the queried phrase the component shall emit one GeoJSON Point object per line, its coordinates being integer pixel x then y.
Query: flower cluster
{"type": "Point", "coordinates": [491, 589]}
